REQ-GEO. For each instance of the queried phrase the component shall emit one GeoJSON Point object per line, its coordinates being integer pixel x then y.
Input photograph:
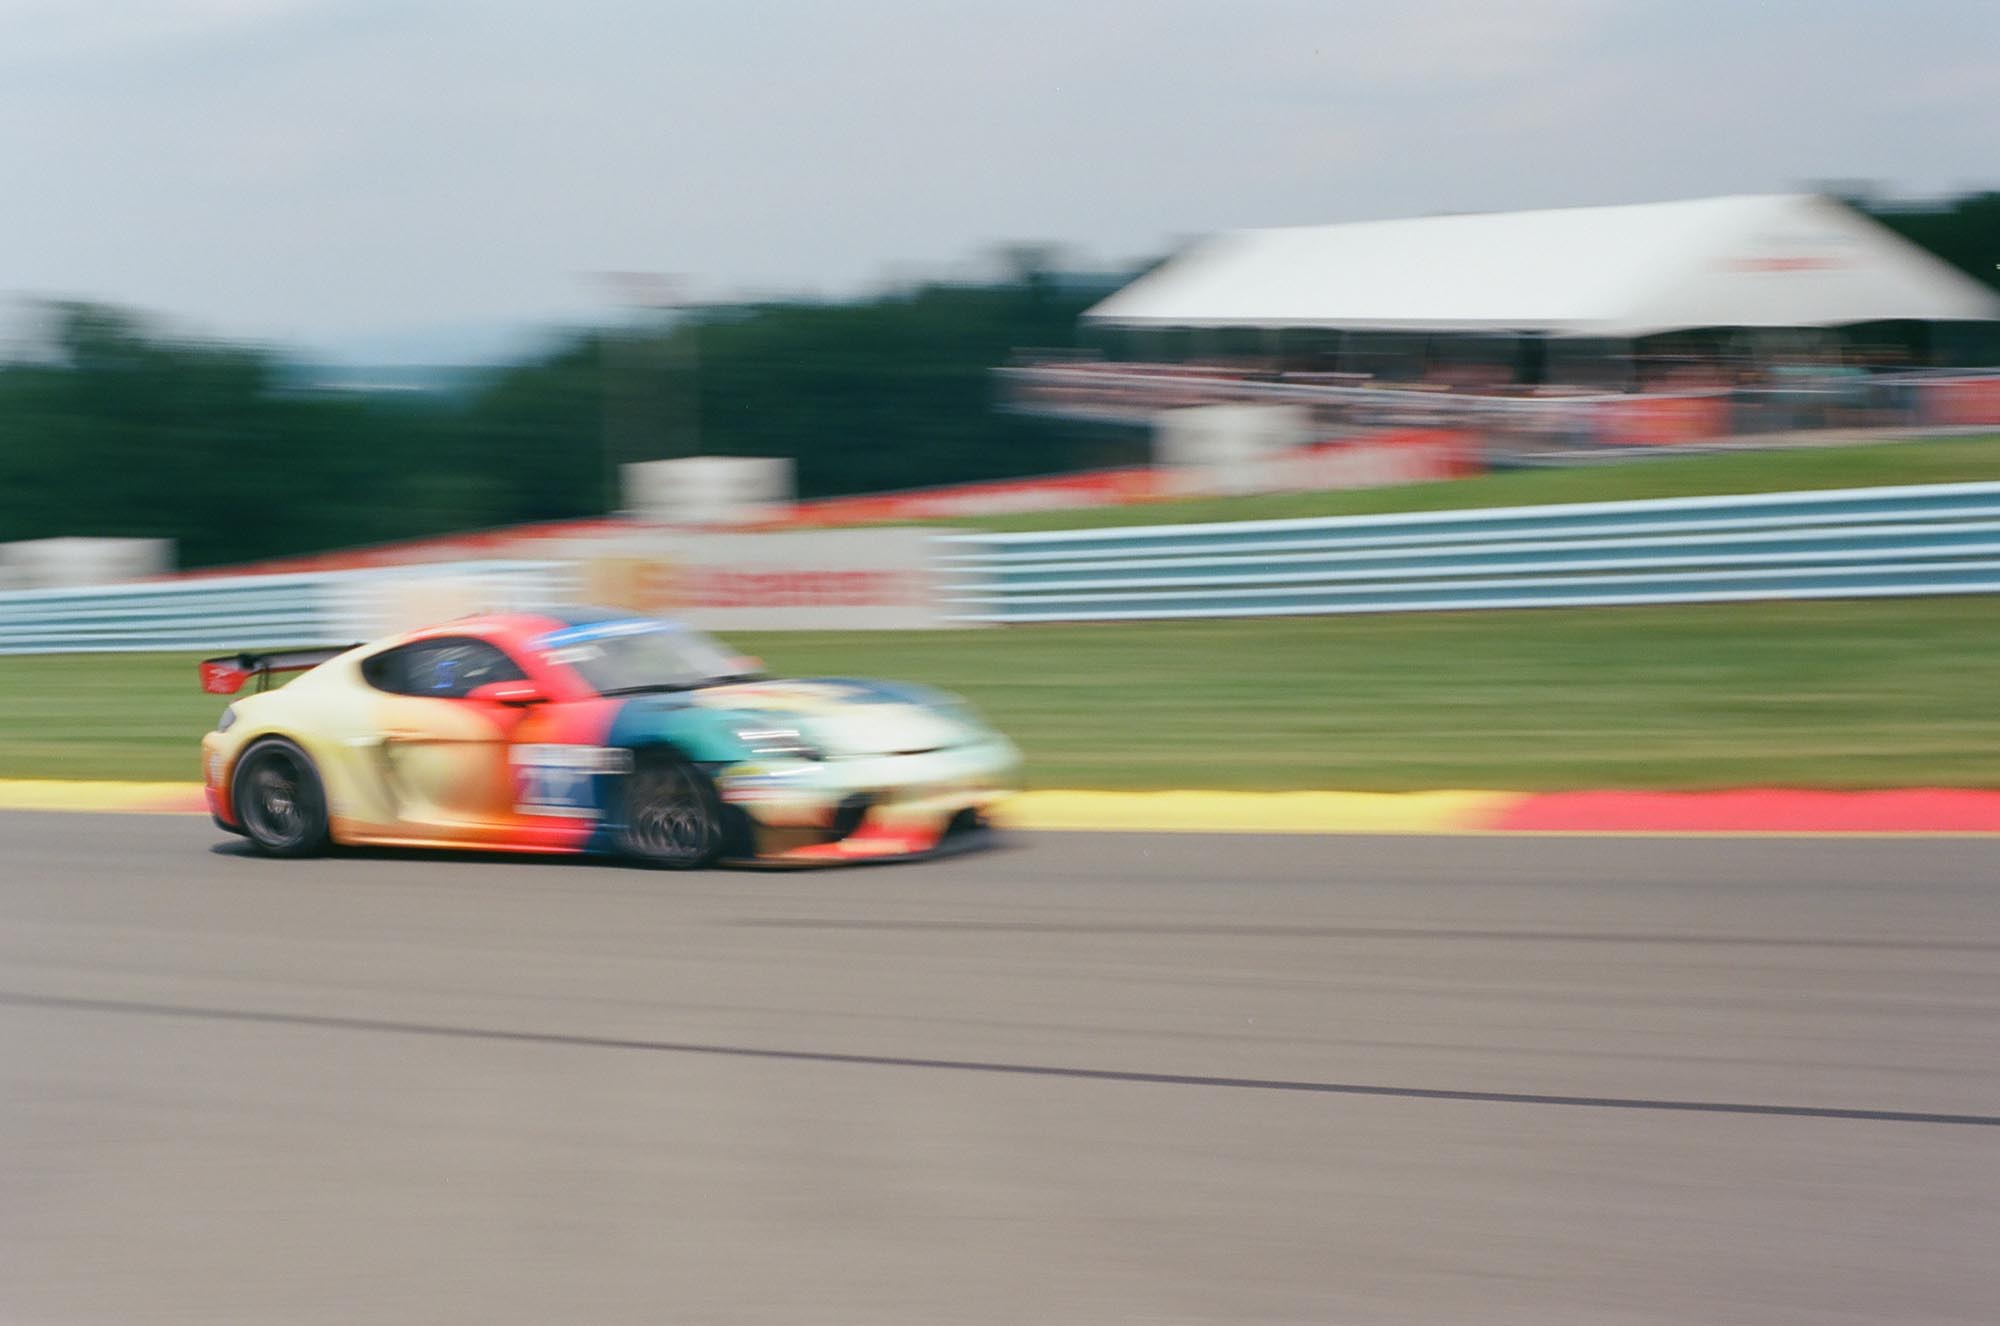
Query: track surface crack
{"type": "Point", "coordinates": [192, 1012]}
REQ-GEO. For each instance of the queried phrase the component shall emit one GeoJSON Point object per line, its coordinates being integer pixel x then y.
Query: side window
{"type": "Point", "coordinates": [447, 668]}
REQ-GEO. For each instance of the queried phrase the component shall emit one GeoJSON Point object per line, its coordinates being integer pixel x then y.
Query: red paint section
{"type": "Point", "coordinates": [1757, 810]}
{"type": "Point", "coordinates": [1060, 492]}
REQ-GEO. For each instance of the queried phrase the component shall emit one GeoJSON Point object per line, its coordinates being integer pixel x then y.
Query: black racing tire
{"type": "Point", "coordinates": [279, 800]}
{"type": "Point", "coordinates": [673, 818]}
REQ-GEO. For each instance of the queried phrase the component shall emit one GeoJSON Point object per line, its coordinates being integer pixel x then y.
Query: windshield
{"type": "Point", "coordinates": [629, 655]}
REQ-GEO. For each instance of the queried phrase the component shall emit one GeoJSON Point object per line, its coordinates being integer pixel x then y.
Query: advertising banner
{"type": "Point", "coordinates": [1373, 460]}
{"type": "Point", "coordinates": [708, 490]}
{"type": "Point", "coordinates": [1962, 401]}
{"type": "Point", "coordinates": [1223, 450]}
{"type": "Point", "coordinates": [367, 603]}
{"type": "Point", "coordinates": [66, 563]}
{"type": "Point", "coordinates": [867, 579]}
{"type": "Point", "coordinates": [1659, 421]}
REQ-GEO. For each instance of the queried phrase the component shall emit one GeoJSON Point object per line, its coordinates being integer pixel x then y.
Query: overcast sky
{"type": "Point", "coordinates": [333, 170]}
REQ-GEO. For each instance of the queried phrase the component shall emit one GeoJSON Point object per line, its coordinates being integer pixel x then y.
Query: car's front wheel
{"type": "Point", "coordinates": [673, 817]}
{"type": "Point", "coordinates": [279, 800]}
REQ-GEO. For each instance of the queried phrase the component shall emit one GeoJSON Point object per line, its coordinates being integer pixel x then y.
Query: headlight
{"type": "Point", "coordinates": [778, 743]}
{"type": "Point", "coordinates": [228, 718]}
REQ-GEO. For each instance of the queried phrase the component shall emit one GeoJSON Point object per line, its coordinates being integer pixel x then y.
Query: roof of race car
{"type": "Point", "coordinates": [520, 625]}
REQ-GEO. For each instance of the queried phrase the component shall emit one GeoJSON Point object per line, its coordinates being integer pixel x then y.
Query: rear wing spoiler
{"type": "Point", "coordinates": [226, 675]}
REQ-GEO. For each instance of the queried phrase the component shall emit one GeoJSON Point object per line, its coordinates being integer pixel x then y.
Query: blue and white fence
{"type": "Point", "coordinates": [256, 612]}
{"type": "Point", "coordinates": [1846, 543]}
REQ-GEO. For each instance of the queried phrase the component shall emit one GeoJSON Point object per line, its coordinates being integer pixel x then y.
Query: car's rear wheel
{"type": "Point", "coordinates": [673, 818]}
{"type": "Point", "coordinates": [280, 802]}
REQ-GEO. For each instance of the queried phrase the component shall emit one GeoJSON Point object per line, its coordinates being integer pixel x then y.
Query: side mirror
{"type": "Point", "coordinates": [507, 692]}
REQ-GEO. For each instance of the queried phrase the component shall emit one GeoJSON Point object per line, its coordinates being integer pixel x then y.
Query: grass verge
{"type": "Point", "coordinates": [1864, 694]}
{"type": "Point", "coordinates": [1952, 460]}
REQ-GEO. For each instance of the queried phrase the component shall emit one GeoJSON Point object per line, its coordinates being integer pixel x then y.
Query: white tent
{"type": "Point", "coordinates": [1784, 260]}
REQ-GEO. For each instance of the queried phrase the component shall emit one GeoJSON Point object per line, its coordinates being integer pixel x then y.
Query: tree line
{"type": "Point", "coordinates": [115, 428]}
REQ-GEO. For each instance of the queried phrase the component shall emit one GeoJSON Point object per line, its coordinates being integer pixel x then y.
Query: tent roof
{"type": "Point", "coordinates": [1779, 260]}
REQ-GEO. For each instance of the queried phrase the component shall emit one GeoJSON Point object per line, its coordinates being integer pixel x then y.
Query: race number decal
{"type": "Point", "coordinates": [563, 780]}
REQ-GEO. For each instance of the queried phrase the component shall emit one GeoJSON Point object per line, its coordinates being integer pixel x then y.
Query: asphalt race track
{"type": "Point", "coordinates": [1080, 1079]}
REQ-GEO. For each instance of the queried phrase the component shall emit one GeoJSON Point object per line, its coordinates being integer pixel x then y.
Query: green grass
{"type": "Point", "coordinates": [1955, 460]}
{"type": "Point", "coordinates": [1883, 693]}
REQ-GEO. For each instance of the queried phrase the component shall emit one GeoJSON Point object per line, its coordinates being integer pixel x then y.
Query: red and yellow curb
{"type": "Point", "coordinates": [1774, 810]}
{"type": "Point", "coordinates": [1738, 810]}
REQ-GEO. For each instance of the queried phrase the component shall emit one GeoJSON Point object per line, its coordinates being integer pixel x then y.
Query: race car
{"type": "Point", "coordinates": [589, 732]}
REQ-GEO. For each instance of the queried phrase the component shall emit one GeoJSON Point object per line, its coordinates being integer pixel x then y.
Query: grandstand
{"type": "Point", "coordinates": [1738, 314]}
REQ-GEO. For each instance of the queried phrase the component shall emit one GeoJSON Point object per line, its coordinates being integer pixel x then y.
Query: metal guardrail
{"type": "Point", "coordinates": [255, 612]}
{"type": "Point", "coordinates": [1845, 543]}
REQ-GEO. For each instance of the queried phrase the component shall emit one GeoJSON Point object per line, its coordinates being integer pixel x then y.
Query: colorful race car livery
{"type": "Point", "coordinates": [589, 731]}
